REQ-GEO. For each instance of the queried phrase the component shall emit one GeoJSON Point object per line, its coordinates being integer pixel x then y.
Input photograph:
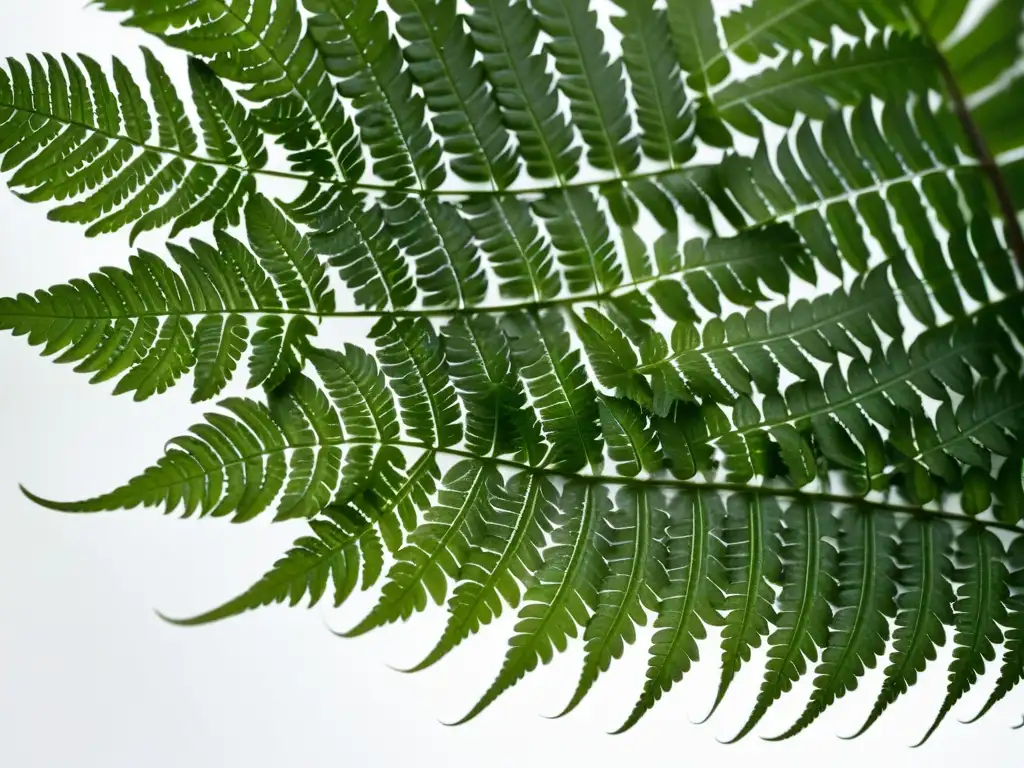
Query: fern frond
{"type": "Point", "coordinates": [632, 444]}
{"type": "Point", "coordinates": [580, 235]}
{"type": "Point", "coordinates": [287, 256]}
{"type": "Point", "coordinates": [752, 564]}
{"type": "Point", "coordinates": [688, 601]}
{"type": "Point", "coordinates": [394, 493]}
{"type": "Point", "coordinates": [75, 135]}
{"type": "Point", "coordinates": [357, 47]}
{"type": "Point", "coordinates": [925, 607]}
{"type": "Point", "coordinates": [591, 81]}
{"type": "Point", "coordinates": [852, 176]}
{"type": "Point", "coordinates": [384, 489]}
{"type": "Point", "coordinates": [440, 243]}
{"type": "Point", "coordinates": [354, 237]}
{"type": "Point", "coordinates": [697, 42]}
{"type": "Point", "coordinates": [497, 569]}
{"type": "Point", "coordinates": [517, 252]}
{"type": "Point", "coordinates": [265, 48]}
{"type": "Point", "coordinates": [808, 570]}
{"type": "Point", "coordinates": [505, 33]}
{"type": "Point", "coordinates": [441, 59]}
{"type": "Point", "coordinates": [769, 27]}
{"type": "Point", "coordinates": [343, 549]}
{"type": "Point", "coordinates": [411, 357]}
{"type": "Point", "coordinates": [136, 323]}
{"type": "Point", "coordinates": [556, 381]}
{"type": "Point", "coordinates": [480, 364]}
{"type": "Point", "coordinates": [978, 612]}
{"type": "Point", "coordinates": [844, 411]}
{"type": "Point", "coordinates": [238, 463]}
{"type": "Point", "coordinates": [797, 471]}
{"type": "Point", "coordinates": [635, 575]}
{"type": "Point", "coordinates": [564, 594]}
{"type": "Point", "coordinates": [439, 547]}
{"type": "Point", "coordinates": [658, 551]}
{"type": "Point", "coordinates": [358, 388]}
{"type": "Point", "coordinates": [1012, 670]}
{"type": "Point", "coordinates": [665, 116]}
{"type": "Point", "coordinates": [865, 601]}
{"type": "Point", "coordinates": [887, 69]}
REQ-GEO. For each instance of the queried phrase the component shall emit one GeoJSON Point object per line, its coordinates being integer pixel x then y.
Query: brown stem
{"type": "Point", "coordinates": [1014, 233]}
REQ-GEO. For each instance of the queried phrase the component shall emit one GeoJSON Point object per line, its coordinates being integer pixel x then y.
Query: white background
{"type": "Point", "coordinates": [89, 676]}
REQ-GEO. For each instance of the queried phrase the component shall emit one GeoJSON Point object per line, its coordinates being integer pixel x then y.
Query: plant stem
{"type": "Point", "coordinates": [796, 494]}
{"type": "Point", "coordinates": [1014, 233]}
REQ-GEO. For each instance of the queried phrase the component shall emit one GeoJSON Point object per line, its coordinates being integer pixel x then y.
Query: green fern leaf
{"type": "Point", "coordinates": [135, 323]}
{"type": "Point", "coordinates": [808, 563]}
{"type": "Point", "coordinates": [857, 172]}
{"type": "Point", "coordinates": [697, 43]}
{"type": "Point", "coordinates": [744, 349]}
{"type": "Point", "coordinates": [169, 359]}
{"type": "Point", "coordinates": [397, 492]}
{"type": "Point", "coordinates": [357, 387]}
{"type": "Point", "coordinates": [978, 613]}
{"type": "Point", "coordinates": [686, 434]}
{"type": "Point", "coordinates": [635, 575]}
{"type": "Point", "coordinates": [505, 33]}
{"type": "Point", "coordinates": [308, 421]}
{"type": "Point", "coordinates": [507, 558]}
{"type": "Point", "coordinates": [286, 255]}
{"type": "Point", "coordinates": [564, 592]}
{"type": "Point", "coordinates": [342, 547]}
{"type": "Point", "coordinates": [880, 68]}
{"type": "Point", "coordinates": [237, 463]}
{"type": "Point", "coordinates": [411, 357]}
{"type": "Point", "coordinates": [866, 600]}
{"type": "Point", "coordinates": [925, 607]}
{"type": "Point", "coordinates": [375, 478]}
{"type": "Point", "coordinates": [440, 54]}
{"type": "Point", "coordinates": [579, 232]}
{"type": "Point", "coordinates": [591, 81]}
{"type": "Point", "coordinates": [617, 365]}
{"type": "Point", "coordinates": [267, 52]}
{"type": "Point", "coordinates": [173, 125]}
{"type": "Point", "coordinates": [440, 243]}
{"type": "Point", "coordinates": [795, 366]}
{"type": "Point", "coordinates": [353, 237]}
{"type": "Point", "coordinates": [230, 135]}
{"type": "Point", "coordinates": [937, 363]}
{"type": "Point", "coordinates": [1012, 671]}
{"type": "Point", "coordinates": [752, 565]}
{"type": "Point", "coordinates": [480, 364]}
{"type": "Point", "coordinates": [986, 424]}
{"type": "Point", "coordinates": [518, 253]}
{"type": "Point", "coordinates": [663, 111]}
{"type": "Point", "coordinates": [353, 38]}
{"type": "Point", "coordinates": [632, 444]}
{"type": "Point", "coordinates": [768, 27]}
{"type": "Point", "coordinates": [220, 342]}
{"type": "Point", "coordinates": [556, 381]}
{"type": "Point", "coordinates": [86, 135]}
{"type": "Point", "coordinates": [278, 350]}
{"type": "Point", "coordinates": [438, 549]}
{"type": "Point", "coordinates": [688, 601]}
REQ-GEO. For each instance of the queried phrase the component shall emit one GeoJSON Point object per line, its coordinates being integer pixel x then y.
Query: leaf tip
{"type": "Point", "coordinates": [410, 670]}
{"type": "Point", "coordinates": [170, 620]}
{"type": "Point", "coordinates": [372, 621]}
{"type": "Point", "coordinates": [57, 506]}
